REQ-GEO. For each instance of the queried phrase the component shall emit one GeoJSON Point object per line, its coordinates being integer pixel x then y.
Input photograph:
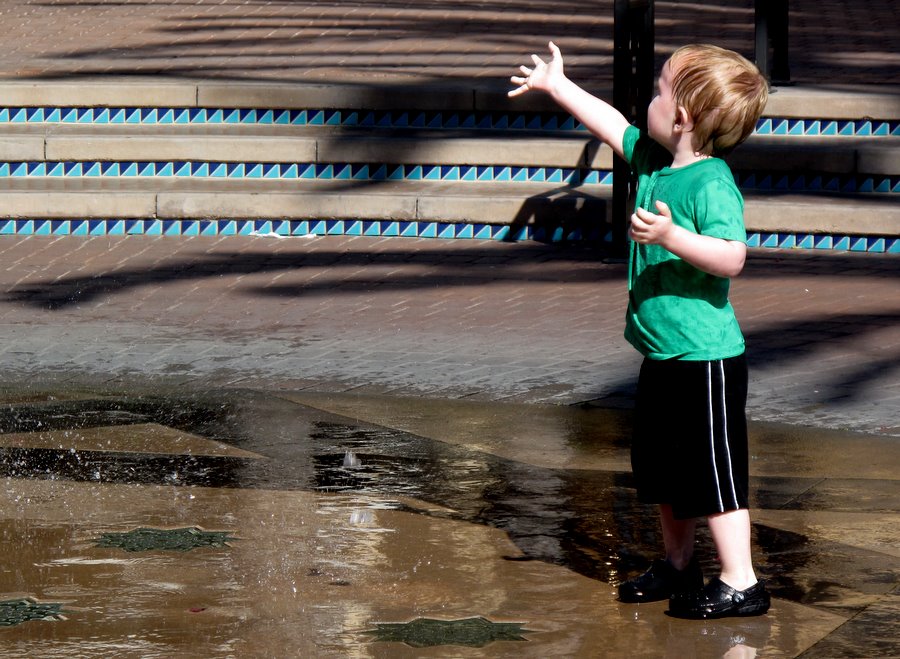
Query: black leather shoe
{"type": "Point", "coordinates": [661, 582]}
{"type": "Point", "coordinates": [719, 600]}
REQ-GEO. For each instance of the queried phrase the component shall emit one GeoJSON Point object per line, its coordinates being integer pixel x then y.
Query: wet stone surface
{"type": "Point", "coordinates": [551, 515]}
{"type": "Point", "coordinates": [575, 515]}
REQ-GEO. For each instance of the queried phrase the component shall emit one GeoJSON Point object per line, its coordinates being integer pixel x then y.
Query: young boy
{"type": "Point", "coordinates": [689, 453]}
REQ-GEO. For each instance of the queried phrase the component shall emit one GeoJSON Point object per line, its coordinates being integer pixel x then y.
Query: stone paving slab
{"type": "Point", "coordinates": [409, 40]}
{"type": "Point", "coordinates": [483, 320]}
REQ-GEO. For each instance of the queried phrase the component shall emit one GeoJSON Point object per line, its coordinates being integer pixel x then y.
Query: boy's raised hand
{"type": "Point", "coordinates": [542, 76]}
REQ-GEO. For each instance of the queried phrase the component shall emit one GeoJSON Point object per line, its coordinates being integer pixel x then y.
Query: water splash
{"type": "Point", "coordinates": [351, 461]}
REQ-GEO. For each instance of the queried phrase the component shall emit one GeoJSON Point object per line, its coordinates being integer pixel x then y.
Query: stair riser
{"type": "Point", "coordinates": [805, 125]}
{"type": "Point", "coordinates": [393, 229]}
{"type": "Point", "coordinates": [287, 172]}
{"type": "Point", "coordinates": [784, 102]}
{"type": "Point", "coordinates": [494, 210]}
{"type": "Point", "coordinates": [249, 172]}
{"type": "Point", "coordinates": [843, 159]}
{"type": "Point", "coordinates": [49, 148]}
{"type": "Point", "coordinates": [481, 206]}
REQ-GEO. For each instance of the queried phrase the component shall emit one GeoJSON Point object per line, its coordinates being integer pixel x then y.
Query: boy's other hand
{"type": "Point", "coordinates": [542, 77]}
{"type": "Point", "coordinates": [651, 228]}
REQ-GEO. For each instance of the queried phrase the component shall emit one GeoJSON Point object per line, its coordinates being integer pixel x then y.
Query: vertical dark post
{"type": "Point", "coordinates": [771, 17]}
{"type": "Point", "coordinates": [633, 69]}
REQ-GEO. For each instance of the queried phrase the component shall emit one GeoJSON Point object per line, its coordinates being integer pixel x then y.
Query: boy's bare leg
{"type": "Point", "coordinates": [731, 536]}
{"type": "Point", "coordinates": [678, 537]}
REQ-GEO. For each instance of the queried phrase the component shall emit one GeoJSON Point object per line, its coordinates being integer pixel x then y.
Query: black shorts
{"type": "Point", "coordinates": [690, 436]}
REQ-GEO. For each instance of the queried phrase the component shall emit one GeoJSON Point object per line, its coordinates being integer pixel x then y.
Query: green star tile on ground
{"type": "Point", "coordinates": [14, 612]}
{"type": "Point", "coordinates": [427, 632]}
{"type": "Point", "coordinates": [145, 539]}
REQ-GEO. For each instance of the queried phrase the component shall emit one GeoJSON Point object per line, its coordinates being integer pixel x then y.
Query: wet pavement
{"type": "Point", "coordinates": [238, 523]}
{"type": "Point", "coordinates": [347, 447]}
{"type": "Point", "coordinates": [336, 447]}
{"type": "Point", "coordinates": [482, 320]}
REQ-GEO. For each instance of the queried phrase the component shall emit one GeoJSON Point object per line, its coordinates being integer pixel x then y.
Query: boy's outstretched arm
{"type": "Point", "coordinates": [599, 117]}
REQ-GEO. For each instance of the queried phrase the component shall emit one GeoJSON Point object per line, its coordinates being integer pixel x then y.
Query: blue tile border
{"type": "Point", "coordinates": [827, 127]}
{"type": "Point", "coordinates": [401, 228]}
{"type": "Point", "coordinates": [543, 121]}
{"type": "Point", "coordinates": [284, 117]}
{"type": "Point", "coordinates": [303, 170]}
{"type": "Point", "coordinates": [835, 242]}
{"type": "Point", "coordinates": [816, 182]}
{"type": "Point", "coordinates": [808, 182]}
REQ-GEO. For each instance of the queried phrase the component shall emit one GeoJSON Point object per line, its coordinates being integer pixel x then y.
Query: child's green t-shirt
{"type": "Point", "coordinates": [676, 311]}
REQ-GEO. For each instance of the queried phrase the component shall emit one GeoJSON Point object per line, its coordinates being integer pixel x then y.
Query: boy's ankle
{"type": "Point", "coordinates": [741, 581]}
{"type": "Point", "coordinates": [680, 563]}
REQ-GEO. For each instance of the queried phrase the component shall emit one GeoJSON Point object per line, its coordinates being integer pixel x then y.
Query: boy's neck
{"type": "Point", "coordinates": [682, 157]}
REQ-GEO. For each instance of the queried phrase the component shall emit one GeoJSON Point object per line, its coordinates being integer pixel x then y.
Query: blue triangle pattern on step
{"type": "Point", "coordinates": [405, 229]}
{"type": "Point", "coordinates": [496, 120]}
{"type": "Point", "coordinates": [853, 184]}
{"type": "Point", "coordinates": [398, 119]}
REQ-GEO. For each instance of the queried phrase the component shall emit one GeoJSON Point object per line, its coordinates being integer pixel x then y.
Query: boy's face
{"type": "Point", "coordinates": [662, 113]}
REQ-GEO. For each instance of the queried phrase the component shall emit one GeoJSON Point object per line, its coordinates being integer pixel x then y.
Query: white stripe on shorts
{"type": "Point", "coordinates": [728, 473]}
{"type": "Point", "coordinates": [725, 434]}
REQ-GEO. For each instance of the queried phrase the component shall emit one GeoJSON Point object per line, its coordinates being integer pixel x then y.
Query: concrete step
{"type": "Point", "coordinates": [301, 144]}
{"type": "Point", "coordinates": [254, 144]}
{"type": "Point", "coordinates": [492, 203]}
{"type": "Point", "coordinates": [832, 155]}
{"type": "Point", "coordinates": [533, 170]}
{"type": "Point", "coordinates": [513, 204]}
{"type": "Point", "coordinates": [773, 212]}
{"type": "Point", "coordinates": [833, 102]}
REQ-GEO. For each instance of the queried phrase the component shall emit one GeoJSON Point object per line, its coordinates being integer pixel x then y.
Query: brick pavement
{"type": "Point", "coordinates": [413, 40]}
{"type": "Point", "coordinates": [459, 319]}
{"type": "Point", "coordinates": [523, 322]}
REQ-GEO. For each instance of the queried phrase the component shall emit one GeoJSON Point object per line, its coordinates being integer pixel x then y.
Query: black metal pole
{"type": "Point", "coordinates": [771, 20]}
{"type": "Point", "coordinates": [633, 70]}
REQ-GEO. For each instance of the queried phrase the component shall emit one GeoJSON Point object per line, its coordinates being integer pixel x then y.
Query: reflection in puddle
{"type": "Point", "coordinates": [585, 520]}
{"type": "Point", "coordinates": [324, 506]}
{"type": "Point", "coordinates": [574, 518]}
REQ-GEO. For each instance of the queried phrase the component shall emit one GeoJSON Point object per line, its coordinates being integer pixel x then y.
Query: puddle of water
{"type": "Point", "coordinates": [330, 526]}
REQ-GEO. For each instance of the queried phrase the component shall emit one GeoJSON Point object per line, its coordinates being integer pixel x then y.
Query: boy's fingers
{"type": "Point", "coordinates": [527, 72]}
{"type": "Point", "coordinates": [645, 216]}
{"type": "Point", "coordinates": [663, 207]}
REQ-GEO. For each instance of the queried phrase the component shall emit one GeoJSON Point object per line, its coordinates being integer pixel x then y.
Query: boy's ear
{"type": "Point", "coordinates": [683, 120]}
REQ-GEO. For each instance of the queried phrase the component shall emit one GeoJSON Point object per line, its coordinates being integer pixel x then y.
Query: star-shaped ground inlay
{"type": "Point", "coordinates": [14, 612]}
{"type": "Point", "coordinates": [145, 539]}
{"type": "Point", "coordinates": [428, 632]}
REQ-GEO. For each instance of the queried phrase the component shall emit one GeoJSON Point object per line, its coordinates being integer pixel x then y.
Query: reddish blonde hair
{"type": "Point", "coordinates": [723, 93]}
